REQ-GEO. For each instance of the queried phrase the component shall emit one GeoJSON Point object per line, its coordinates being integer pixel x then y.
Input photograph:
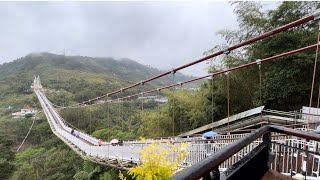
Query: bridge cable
{"type": "Point", "coordinates": [90, 119]}
{"type": "Point", "coordinates": [142, 100]}
{"type": "Point", "coordinates": [318, 99]}
{"type": "Point", "coordinates": [244, 43]}
{"type": "Point", "coordinates": [177, 89]}
{"type": "Point", "coordinates": [71, 125]}
{"type": "Point", "coordinates": [104, 108]}
{"type": "Point", "coordinates": [124, 114]}
{"type": "Point", "coordinates": [77, 111]}
{"type": "Point", "coordinates": [80, 114]}
{"type": "Point", "coordinates": [108, 119]}
{"type": "Point", "coordinates": [212, 101]}
{"type": "Point", "coordinates": [314, 73]}
{"type": "Point", "coordinates": [216, 73]}
{"type": "Point", "coordinates": [228, 100]}
{"type": "Point", "coordinates": [83, 117]}
{"type": "Point", "coordinates": [159, 109]}
{"type": "Point", "coordinates": [258, 61]}
{"type": "Point", "coordinates": [142, 89]}
{"type": "Point", "coordinates": [173, 105]}
{"type": "Point", "coordinates": [27, 132]}
{"type": "Point", "coordinates": [119, 113]}
{"type": "Point", "coordinates": [213, 74]}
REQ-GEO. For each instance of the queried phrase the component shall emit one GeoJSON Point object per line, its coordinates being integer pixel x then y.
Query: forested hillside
{"type": "Point", "coordinates": [68, 79]}
{"type": "Point", "coordinates": [285, 85]}
{"type": "Point", "coordinates": [285, 82]}
{"type": "Point", "coordinates": [84, 77]}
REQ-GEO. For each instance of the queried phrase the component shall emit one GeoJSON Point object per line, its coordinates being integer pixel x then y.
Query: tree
{"type": "Point", "coordinates": [90, 170]}
{"type": "Point", "coordinates": [6, 157]}
{"type": "Point", "coordinates": [159, 163]}
{"type": "Point", "coordinates": [27, 116]}
{"type": "Point", "coordinates": [286, 82]}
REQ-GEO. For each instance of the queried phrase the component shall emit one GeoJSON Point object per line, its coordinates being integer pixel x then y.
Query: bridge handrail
{"type": "Point", "coordinates": [205, 166]}
{"type": "Point", "coordinates": [292, 114]}
{"type": "Point", "coordinates": [63, 124]}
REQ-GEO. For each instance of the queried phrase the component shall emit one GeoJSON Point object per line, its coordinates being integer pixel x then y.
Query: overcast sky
{"type": "Point", "coordinates": [161, 34]}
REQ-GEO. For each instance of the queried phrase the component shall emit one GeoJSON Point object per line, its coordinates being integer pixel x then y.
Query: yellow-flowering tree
{"type": "Point", "coordinates": [159, 161]}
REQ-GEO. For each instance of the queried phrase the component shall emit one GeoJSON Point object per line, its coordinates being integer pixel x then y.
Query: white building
{"type": "Point", "coordinates": [23, 112]}
{"type": "Point", "coordinates": [161, 100]}
{"type": "Point", "coordinates": [158, 99]}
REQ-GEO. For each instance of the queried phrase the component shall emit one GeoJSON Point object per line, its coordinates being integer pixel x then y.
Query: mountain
{"type": "Point", "coordinates": [84, 77]}
{"type": "Point", "coordinates": [67, 79]}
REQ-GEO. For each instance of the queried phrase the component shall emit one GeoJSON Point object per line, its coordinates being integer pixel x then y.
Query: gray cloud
{"type": "Point", "coordinates": [160, 34]}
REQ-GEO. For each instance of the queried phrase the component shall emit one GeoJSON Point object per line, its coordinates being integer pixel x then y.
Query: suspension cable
{"type": "Point", "coordinates": [142, 98]}
{"type": "Point", "coordinates": [212, 101]}
{"type": "Point", "coordinates": [81, 117]}
{"type": "Point", "coordinates": [254, 39]}
{"type": "Point", "coordinates": [318, 99]}
{"type": "Point", "coordinates": [260, 84]}
{"type": "Point", "coordinates": [83, 114]}
{"type": "Point", "coordinates": [74, 127]}
{"type": "Point", "coordinates": [141, 106]}
{"type": "Point", "coordinates": [228, 99]}
{"type": "Point", "coordinates": [78, 115]}
{"type": "Point", "coordinates": [104, 108]}
{"type": "Point", "coordinates": [119, 113]}
{"type": "Point", "coordinates": [180, 128]}
{"type": "Point", "coordinates": [314, 74]}
{"type": "Point", "coordinates": [173, 104]}
{"type": "Point", "coordinates": [108, 119]}
{"type": "Point", "coordinates": [90, 116]}
{"type": "Point", "coordinates": [34, 119]}
{"type": "Point", "coordinates": [258, 61]}
{"type": "Point", "coordinates": [159, 110]}
{"type": "Point", "coordinates": [213, 74]}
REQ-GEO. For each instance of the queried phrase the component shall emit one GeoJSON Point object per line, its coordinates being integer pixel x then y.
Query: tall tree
{"type": "Point", "coordinates": [285, 82]}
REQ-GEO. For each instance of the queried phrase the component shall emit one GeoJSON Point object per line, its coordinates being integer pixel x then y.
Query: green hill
{"type": "Point", "coordinates": [68, 79]}
{"type": "Point", "coordinates": [83, 77]}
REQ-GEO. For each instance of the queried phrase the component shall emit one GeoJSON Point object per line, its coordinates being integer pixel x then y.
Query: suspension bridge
{"type": "Point", "coordinates": [279, 148]}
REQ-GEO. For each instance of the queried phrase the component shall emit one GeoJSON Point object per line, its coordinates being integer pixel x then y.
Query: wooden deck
{"type": "Point", "coordinates": [274, 175]}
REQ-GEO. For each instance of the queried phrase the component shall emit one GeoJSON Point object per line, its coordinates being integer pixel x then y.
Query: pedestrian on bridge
{"type": "Point", "coordinates": [77, 134]}
{"type": "Point", "coordinates": [72, 131]}
{"type": "Point", "coordinates": [99, 142]}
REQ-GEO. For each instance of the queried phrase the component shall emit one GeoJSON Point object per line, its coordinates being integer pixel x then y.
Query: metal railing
{"type": "Point", "coordinates": [292, 156]}
{"type": "Point", "coordinates": [301, 144]}
{"type": "Point", "coordinates": [199, 149]}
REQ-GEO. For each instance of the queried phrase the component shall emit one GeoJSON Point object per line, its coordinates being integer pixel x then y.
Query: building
{"type": "Point", "coordinates": [158, 99]}
{"type": "Point", "coordinates": [25, 110]}
{"type": "Point", "coordinates": [161, 100]}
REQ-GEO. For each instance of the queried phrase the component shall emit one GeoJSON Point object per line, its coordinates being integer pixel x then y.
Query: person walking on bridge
{"type": "Point", "coordinates": [76, 134]}
{"type": "Point", "coordinates": [99, 142]}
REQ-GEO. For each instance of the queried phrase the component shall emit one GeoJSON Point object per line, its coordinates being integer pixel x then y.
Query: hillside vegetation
{"type": "Point", "coordinates": [84, 77]}
{"type": "Point", "coordinates": [68, 79]}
